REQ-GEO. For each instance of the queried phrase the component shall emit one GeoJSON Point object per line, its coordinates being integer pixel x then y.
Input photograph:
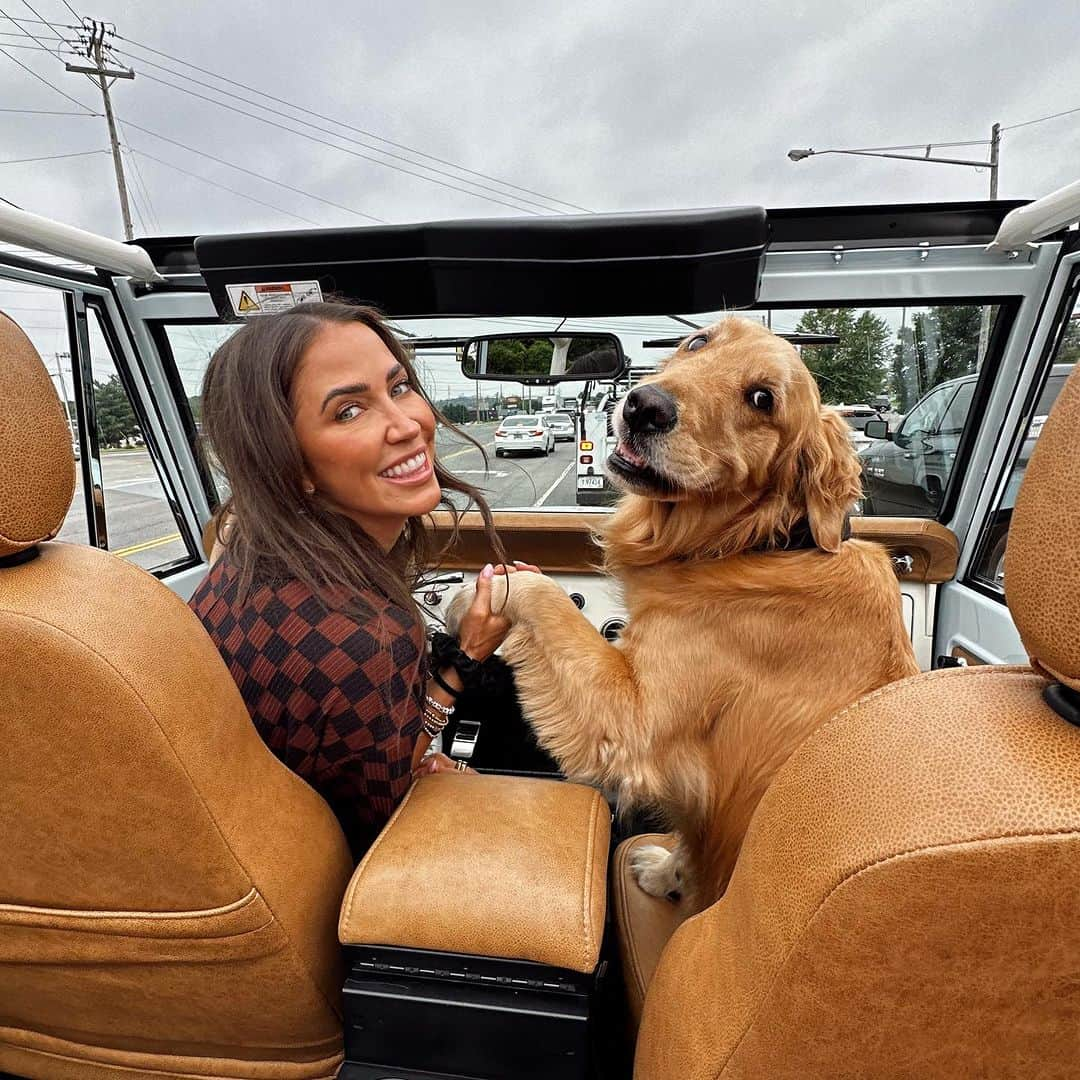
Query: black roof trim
{"type": "Point", "coordinates": [598, 264]}
{"type": "Point", "coordinates": [900, 225]}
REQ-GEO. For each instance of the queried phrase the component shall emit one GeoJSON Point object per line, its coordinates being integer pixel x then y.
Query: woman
{"type": "Point", "coordinates": [316, 418]}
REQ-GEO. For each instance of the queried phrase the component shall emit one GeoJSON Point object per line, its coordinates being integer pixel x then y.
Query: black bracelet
{"type": "Point", "coordinates": [444, 684]}
{"type": "Point", "coordinates": [446, 652]}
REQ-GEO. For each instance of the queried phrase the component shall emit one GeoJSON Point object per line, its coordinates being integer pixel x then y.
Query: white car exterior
{"type": "Point", "coordinates": [524, 434]}
{"type": "Point", "coordinates": [562, 426]}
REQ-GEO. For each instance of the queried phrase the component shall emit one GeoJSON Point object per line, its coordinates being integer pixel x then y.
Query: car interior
{"type": "Point", "coordinates": [175, 902]}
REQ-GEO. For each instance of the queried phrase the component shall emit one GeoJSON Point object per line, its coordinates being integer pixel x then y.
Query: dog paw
{"type": "Point", "coordinates": [656, 870]}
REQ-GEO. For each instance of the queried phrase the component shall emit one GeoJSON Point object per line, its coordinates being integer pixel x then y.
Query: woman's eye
{"type": "Point", "coordinates": [761, 400]}
{"type": "Point", "coordinates": [350, 412]}
{"type": "Point", "coordinates": [698, 341]}
{"type": "Point", "coordinates": [400, 388]}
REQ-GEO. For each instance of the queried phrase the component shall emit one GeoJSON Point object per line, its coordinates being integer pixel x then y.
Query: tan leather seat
{"type": "Point", "coordinates": [643, 923]}
{"type": "Point", "coordinates": [169, 892]}
{"type": "Point", "coordinates": [907, 900]}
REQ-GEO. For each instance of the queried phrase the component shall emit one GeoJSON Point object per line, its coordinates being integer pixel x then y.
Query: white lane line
{"type": "Point", "coordinates": [543, 498]}
{"type": "Point", "coordinates": [463, 450]}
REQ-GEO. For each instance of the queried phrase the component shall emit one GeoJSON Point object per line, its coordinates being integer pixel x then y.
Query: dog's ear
{"type": "Point", "coordinates": [830, 477]}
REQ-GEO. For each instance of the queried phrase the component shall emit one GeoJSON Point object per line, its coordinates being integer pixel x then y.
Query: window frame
{"type": "Point", "coordinates": [990, 528]}
{"type": "Point", "coordinates": [81, 292]}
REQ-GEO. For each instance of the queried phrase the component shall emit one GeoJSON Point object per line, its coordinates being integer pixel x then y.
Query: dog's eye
{"type": "Point", "coordinates": [698, 341]}
{"type": "Point", "coordinates": [761, 400]}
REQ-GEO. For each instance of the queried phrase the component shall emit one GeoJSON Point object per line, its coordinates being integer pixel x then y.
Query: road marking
{"type": "Point", "coordinates": [463, 450]}
{"type": "Point", "coordinates": [123, 553]}
{"type": "Point", "coordinates": [562, 476]}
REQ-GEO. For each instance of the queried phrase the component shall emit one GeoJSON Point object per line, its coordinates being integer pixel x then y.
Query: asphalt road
{"type": "Point", "coordinates": [517, 481]}
{"type": "Point", "coordinates": [141, 526]}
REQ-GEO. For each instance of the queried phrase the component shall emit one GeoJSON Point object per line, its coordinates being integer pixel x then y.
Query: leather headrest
{"type": "Point", "coordinates": [1042, 559]}
{"type": "Point", "coordinates": [37, 480]}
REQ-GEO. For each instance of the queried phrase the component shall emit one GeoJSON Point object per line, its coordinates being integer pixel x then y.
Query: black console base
{"type": "Point", "coordinates": [413, 1015]}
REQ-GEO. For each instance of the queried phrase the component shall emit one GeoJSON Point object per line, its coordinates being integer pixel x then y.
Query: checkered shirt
{"type": "Point", "coordinates": [336, 698]}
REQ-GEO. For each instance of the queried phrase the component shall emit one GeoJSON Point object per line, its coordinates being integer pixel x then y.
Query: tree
{"type": "Point", "coordinates": [1069, 353]}
{"type": "Point", "coordinates": [941, 343]}
{"type": "Point", "coordinates": [854, 369]}
{"type": "Point", "coordinates": [115, 417]}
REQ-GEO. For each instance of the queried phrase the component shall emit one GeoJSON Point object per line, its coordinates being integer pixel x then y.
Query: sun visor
{"type": "Point", "coordinates": [599, 264]}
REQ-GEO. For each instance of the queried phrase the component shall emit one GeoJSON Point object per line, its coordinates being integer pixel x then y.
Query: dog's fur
{"type": "Point", "coordinates": [735, 649]}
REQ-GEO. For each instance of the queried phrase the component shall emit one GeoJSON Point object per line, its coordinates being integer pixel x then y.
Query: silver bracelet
{"type": "Point", "coordinates": [446, 710]}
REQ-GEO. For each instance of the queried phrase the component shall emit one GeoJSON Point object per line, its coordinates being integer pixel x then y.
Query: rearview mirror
{"type": "Point", "coordinates": [564, 357]}
{"type": "Point", "coordinates": [876, 429]}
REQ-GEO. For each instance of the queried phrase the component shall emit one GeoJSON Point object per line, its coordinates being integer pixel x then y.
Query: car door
{"type": "Point", "coordinates": [974, 625]}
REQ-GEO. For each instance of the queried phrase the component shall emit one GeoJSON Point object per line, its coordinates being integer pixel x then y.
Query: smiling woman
{"type": "Point", "coordinates": [316, 418]}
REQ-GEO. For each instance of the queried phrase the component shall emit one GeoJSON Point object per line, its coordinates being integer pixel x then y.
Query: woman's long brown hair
{"type": "Point", "coordinates": [275, 530]}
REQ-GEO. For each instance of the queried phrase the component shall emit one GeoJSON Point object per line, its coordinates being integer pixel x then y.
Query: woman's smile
{"type": "Point", "coordinates": [414, 469]}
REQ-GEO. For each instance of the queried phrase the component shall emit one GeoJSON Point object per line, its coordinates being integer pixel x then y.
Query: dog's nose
{"type": "Point", "coordinates": [648, 410]}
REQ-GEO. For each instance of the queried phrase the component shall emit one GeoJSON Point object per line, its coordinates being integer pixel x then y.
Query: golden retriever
{"type": "Point", "coordinates": [751, 619]}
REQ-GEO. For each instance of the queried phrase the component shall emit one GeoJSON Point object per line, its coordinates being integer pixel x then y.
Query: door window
{"type": "Point", "coordinates": [989, 565]}
{"type": "Point", "coordinates": [141, 524]}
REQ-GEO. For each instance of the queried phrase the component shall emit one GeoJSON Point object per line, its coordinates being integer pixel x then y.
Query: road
{"type": "Point", "coordinates": [142, 528]}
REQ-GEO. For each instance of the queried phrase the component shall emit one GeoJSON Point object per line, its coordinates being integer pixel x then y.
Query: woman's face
{"type": "Point", "coordinates": [368, 438]}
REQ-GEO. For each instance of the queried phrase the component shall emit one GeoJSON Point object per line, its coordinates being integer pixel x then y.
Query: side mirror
{"type": "Point", "coordinates": [876, 429]}
{"type": "Point", "coordinates": [568, 356]}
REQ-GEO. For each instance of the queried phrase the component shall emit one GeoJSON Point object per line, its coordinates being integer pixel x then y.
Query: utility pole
{"type": "Point", "coordinates": [995, 143]}
{"type": "Point", "coordinates": [95, 50]}
{"type": "Point", "coordinates": [63, 389]}
{"type": "Point", "coordinates": [984, 322]}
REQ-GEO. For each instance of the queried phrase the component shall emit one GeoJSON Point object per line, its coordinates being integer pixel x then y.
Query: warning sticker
{"type": "Point", "coordinates": [268, 298]}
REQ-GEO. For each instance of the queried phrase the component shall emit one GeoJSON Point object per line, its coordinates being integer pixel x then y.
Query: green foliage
{"type": "Point", "coordinates": [519, 356]}
{"type": "Point", "coordinates": [854, 370]}
{"type": "Point", "coordinates": [115, 416]}
{"type": "Point", "coordinates": [940, 344]}
{"type": "Point", "coordinates": [454, 411]}
{"type": "Point", "coordinates": [1069, 353]}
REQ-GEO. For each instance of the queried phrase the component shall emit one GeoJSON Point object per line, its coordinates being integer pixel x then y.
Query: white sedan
{"type": "Point", "coordinates": [520, 434]}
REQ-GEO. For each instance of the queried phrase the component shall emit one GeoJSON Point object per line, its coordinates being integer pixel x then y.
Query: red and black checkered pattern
{"type": "Point", "coordinates": [337, 698]}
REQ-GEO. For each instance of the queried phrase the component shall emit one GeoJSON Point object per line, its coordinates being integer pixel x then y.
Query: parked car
{"type": "Point", "coordinates": [906, 473]}
{"type": "Point", "coordinates": [522, 434]}
{"type": "Point", "coordinates": [856, 416]}
{"type": "Point", "coordinates": [562, 425]}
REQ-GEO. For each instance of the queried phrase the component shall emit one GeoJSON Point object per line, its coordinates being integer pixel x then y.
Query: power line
{"type": "Point", "coordinates": [251, 172]}
{"type": "Point", "coordinates": [71, 9]}
{"type": "Point", "coordinates": [23, 30]}
{"type": "Point", "coordinates": [26, 4]}
{"type": "Point", "coordinates": [10, 203]}
{"type": "Point", "coordinates": [139, 185]}
{"type": "Point", "coordinates": [351, 127]}
{"type": "Point", "coordinates": [41, 78]}
{"type": "Point", "coordinates": [45, 112]}
{"type": "Point", "coordinates": [51, 157]}
{"type": "Point", "coordinates": [1040, 119]}
{"type": "Point", "coordinates": [214, 183]}
{"type": "Point", "coordinates": [333, 146]}
{"type": "Point", "coordinates": [335, 134]}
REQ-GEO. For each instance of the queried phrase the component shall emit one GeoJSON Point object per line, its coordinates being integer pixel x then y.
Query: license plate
{"type": "Point", "coordinates": [590, 481]}
{"type": "Point", "coordinates": [519, 436]}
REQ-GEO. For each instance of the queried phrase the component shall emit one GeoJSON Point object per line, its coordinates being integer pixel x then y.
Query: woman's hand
{"type": "Point", "coordinates": [481, 630]}
{"type": "Point", "coordinates": [436, 763]}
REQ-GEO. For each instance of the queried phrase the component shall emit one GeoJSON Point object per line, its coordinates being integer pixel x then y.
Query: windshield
{"type": "Point", "coordinates": [896, 356]}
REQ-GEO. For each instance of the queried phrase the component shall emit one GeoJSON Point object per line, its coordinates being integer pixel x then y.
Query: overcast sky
{"type": "Point", "coordinates": [610, 105]}
{"type": "Point", "coordinates": [607, 105]}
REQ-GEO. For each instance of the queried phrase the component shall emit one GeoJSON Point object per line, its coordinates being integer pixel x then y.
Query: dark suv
{"type": "Point", "coordinates": [906, 472]}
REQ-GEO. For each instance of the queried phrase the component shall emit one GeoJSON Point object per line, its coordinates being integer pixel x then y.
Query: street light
{"type": "Point", "coordinates": [992, 164]}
